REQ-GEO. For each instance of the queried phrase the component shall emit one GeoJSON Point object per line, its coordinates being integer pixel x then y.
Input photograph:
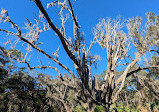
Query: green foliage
{"type": "Point", "coordinates": [154, 106]}
{"type": "Point", "coordinates": [15, 53]}
{"type": "Point", "coordinates": [99, 109]}
{"type": "Point", "coordinates": [154, 71]}
{"type": "Point", "coordinates": [79, 109]}
{"type": "Point", "coordinates": [118, 107]}
{"type": "Point", "coordinates": [3, 87]}
{"type": "Point", "coordinates": [19, 92]}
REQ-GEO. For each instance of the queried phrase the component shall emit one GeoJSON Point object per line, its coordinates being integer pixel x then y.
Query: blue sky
{"type": "Point", "coordinates": [88, 12]}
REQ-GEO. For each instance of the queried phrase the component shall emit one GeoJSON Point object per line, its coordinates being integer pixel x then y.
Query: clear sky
{"type": "Point", "coordinates": [88, 12]}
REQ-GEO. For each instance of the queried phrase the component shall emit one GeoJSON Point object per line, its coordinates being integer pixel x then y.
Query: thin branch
{"type": "Point", "coordinates": [15, 25]}
{"type": "Point", "coordinates": [73, 16]}
{"type": "Point", "coordinates": [24, 61]}
{"type": "Point", "coordinates": [43, 67]}
{"type": "Point", "coordinates": [40, 50]}
{"type": "Point", "coordinates": [60, 35]}
{"type": "Point", "coordinates": [155, 51]}
{"type": "Point", "coordinates": [92, 43]}
{"type": "Point", "coordinates": [8, 32]}
{"type": "Point", "coordinates": [139, 69]}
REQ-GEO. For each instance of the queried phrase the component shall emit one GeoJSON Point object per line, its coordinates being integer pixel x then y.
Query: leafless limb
{"type": "Point", "coordinates": [34, 45]}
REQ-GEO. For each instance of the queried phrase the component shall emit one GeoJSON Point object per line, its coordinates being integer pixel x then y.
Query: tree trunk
{"type": "Point", "coordinates": [86, 100]}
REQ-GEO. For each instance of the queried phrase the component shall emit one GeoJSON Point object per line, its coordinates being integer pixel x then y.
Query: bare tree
{"type": "Point", "coordinates": [74, 46]}
{"type": "Point", "coordinates": [109, 34]}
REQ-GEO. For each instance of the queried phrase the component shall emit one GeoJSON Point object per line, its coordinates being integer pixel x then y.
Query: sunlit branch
{"type": "Point", "coordinates": [140, 68]}
{"type": "Point", "coordinates": [70, 54]}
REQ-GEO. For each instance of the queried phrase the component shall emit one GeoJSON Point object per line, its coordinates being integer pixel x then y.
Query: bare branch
{"type": "Point", "coordinates": [73, 16]}
{"type": "Point", "coordinates": [40, 50]}
{"type": "Point", "coordinates": [123, 76]}
{"type": "Point", "coordinates": [155, 51]}
{"type": "Point", "coordinates": [8, 32]}
{"type": "Point", "coordinates": [92, 43]}
{"type": "Point", "coordinates": [70, 54]}
{"type": "Point", "coordinates": [140, 68]}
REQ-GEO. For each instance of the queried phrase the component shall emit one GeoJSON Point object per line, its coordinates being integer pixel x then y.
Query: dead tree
{"type": "Point", "coordinates": [108, 34]}
{"type": "Point", "coordinates": [74, 47]}
{"type": "Point", "coordinates": [111, 36]}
